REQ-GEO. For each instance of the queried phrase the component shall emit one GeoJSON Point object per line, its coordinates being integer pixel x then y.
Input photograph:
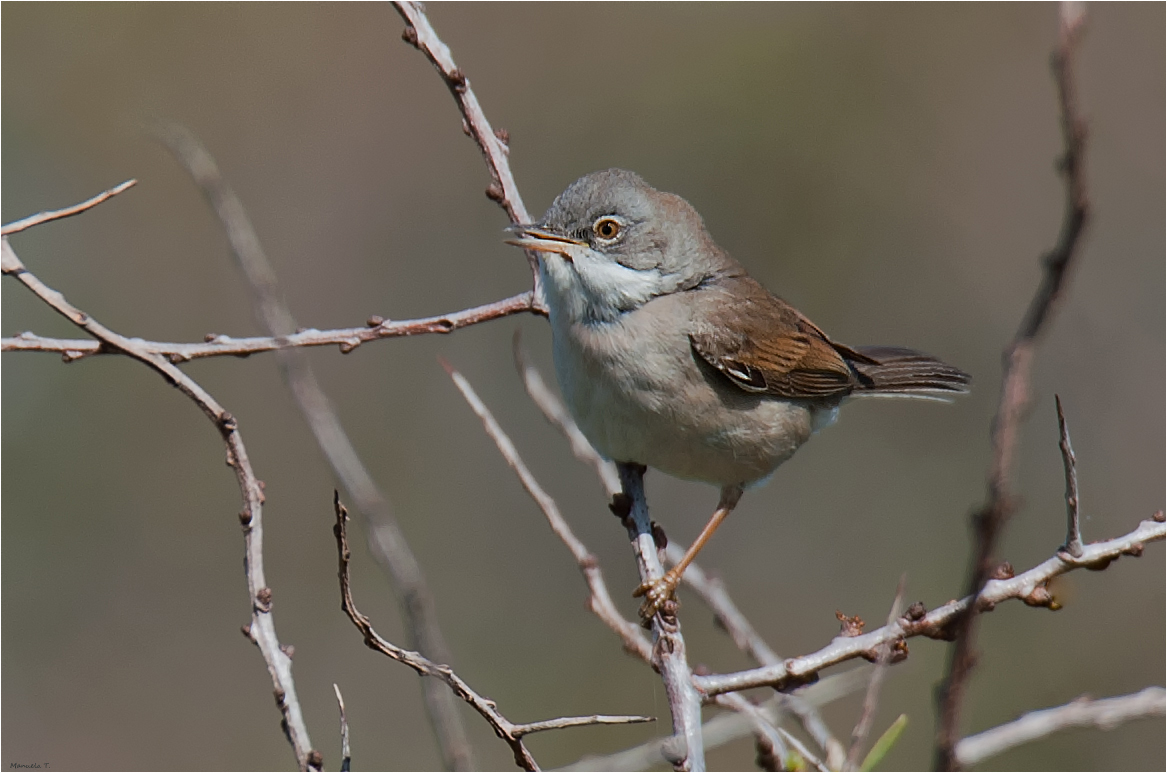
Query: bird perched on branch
{"type": "Point", "coordinates": [670, 355]}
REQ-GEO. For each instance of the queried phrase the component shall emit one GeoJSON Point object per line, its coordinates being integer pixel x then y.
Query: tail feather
{"type": "Point", "coordinates": [891, 371]}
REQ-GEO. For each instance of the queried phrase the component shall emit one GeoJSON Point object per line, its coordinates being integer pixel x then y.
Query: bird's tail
{"type": "Point", "coordinates": [889, 371]}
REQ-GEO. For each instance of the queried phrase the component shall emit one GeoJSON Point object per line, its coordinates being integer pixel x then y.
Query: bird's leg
{"type": "Point", "coordinates": [657, 591]}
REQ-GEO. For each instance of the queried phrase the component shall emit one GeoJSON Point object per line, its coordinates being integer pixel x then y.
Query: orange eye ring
{"type": "Point", "coordinates": [607, 228]}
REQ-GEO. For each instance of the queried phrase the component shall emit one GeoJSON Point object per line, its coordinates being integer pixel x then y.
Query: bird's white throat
{"type": "Point", "coordinates": [595, 288]}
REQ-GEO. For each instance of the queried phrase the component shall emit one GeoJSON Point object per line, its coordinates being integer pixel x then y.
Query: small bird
{"type": "Point", "coordinates": [669, 355]}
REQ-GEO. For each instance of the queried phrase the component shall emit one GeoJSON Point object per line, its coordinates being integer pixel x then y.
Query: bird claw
{"type": "Point", "coordinates": [656, 593]}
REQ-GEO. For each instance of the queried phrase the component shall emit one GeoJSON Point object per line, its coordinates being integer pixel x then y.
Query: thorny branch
{"type": "Point", "coordinates": [502, 189]}
{"type": "Point", "coordinates": [989, 521]}
{"type": "Point", "coordinates": [1030, 587]}
{"type": "Point", "coordinates": [347, 339]}
{"type": "Point", "coordinates": [1073, 544]}
{"type": "Point", "coordinates": [386, 541]}
{"type": "Point", "coordinates": [262, 628]}
{"type": "Point", "coordinates": [510, 732]}
{"type": "Point", "coordinates": [1104, 713]}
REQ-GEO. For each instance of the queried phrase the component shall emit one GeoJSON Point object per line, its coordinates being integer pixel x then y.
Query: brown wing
{"type": "Point", "coordinates": [762, 344]}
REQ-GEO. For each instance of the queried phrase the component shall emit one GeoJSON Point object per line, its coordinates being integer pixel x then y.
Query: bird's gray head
{"type": "Point", "coordinates": [611, 242]}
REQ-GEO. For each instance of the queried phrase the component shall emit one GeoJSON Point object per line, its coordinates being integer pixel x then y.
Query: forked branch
{"type": "Point", "coordinates": [261, 630]}
{"type": "Point", "coordinates": [1030, 587]}
{"type": "Point", "coordinates": [494, 143]}
{"type": "Point", "coordinates": [347, 339]}
{"type": "Point", "coordinates": [512, 733]}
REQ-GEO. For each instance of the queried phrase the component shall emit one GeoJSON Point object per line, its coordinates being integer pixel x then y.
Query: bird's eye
{"type": "Point", "coordinates": [607, 228]}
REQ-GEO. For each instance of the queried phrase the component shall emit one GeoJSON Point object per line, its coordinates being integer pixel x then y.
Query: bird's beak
{"type": "Point", "coordinates": [534, 238]}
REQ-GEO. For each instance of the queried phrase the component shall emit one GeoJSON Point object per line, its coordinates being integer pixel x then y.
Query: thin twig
{"type": "Point", "coordinates": [509, 731]}
{"type": "Point", "coordinates": [989, 521]}
{"type": "Point", "coordinates": [262, 628]}
{"type": "Point", "coordinates": [1104, 713]}
{"type": "Point", "coordinates": [386, 541]}
{"type": "Point", "coordinates": [591, 719]}
{"type": "Point", "coordinates": [711, 590]}
{"type": "Point", "coordinates": [728, 727]}
{"type": "Point", "coordinates": [494, 143]}
{"type": "Point", "coordinates": [58, 214]}
{"type": "Point", "coordinates": [347, 339]}
{"type": "Point", "coordinates": [1030, 587]}
{"type": "Point", "coordinates": [346, 757]}
{"type": "Point", "coordinates": [1073, 544]}
{"type": "Point", "coordinates": [599, 599]}
{"type": "Point", "coordinates": [871, 700]}
{"type": "Point", "coordinates": [771, 745]}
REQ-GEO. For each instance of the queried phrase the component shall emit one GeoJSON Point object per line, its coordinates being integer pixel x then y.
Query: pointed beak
{"type": "Point", "coordinates": [532, 237]}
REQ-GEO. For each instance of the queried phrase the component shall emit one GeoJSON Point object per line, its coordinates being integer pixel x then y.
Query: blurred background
{"type": "Point", "coordinates": [890, 170]}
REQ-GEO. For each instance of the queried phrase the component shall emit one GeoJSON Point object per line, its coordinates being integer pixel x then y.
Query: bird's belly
{"type": "Point", "coordinates": [645, 398]}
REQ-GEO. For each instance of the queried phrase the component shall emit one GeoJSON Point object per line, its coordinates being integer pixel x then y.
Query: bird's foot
{"type": "Point", "coordinates": [656, 594]}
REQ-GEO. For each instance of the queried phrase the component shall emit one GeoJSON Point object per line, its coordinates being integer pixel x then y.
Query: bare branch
{"type": "Point", "coordinates": [510, 732]}
{"type": "Point", "coordinates": [347, 339]}
{"type": "Point", "coordinates": [58, 214]}
{"type": "Point", "coordinates": [1104, 713]}
{"type": "Point", "coordinates": [668, 649]}
{"type": "Point", "coordinates": [989, 521]}
{"type": "Point", "coordinates": [493, 143]}
{"type": "Point", "coordinates": [262, 628]}
{"type": "Point", "coordinates": [346, 756]}
{"type": "Point", "coordinates": [1030, 587]}
{"type": "Point", "coordinates": [599, 601]}
{"type": "Point", "coordinates": [871, 701]}
{"type": "Point", "coordinates": [712, 591]}
{"type": "Point", "coordinates": [728, 727]}
{"type": "Point", "coordinates": [386, 540]}
{"type": "Point", "coordinates": [592, 719]}
{"type": "Point", "coordinates": [1073, 527]}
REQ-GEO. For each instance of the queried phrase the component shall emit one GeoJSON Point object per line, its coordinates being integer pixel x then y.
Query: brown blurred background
{"type": "Point", "coordinates": [888, 169]}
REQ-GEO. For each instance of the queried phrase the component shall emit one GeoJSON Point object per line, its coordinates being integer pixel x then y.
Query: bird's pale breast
{"type": "Point", "coordinates": [639, 394]}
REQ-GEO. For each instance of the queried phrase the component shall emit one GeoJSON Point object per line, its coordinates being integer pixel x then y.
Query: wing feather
{"type": "Point", "coordinates": [762, 344]}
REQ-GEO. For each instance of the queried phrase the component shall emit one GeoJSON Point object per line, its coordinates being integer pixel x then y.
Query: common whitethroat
{"type": "Point", "coordinates": [670, 355]}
